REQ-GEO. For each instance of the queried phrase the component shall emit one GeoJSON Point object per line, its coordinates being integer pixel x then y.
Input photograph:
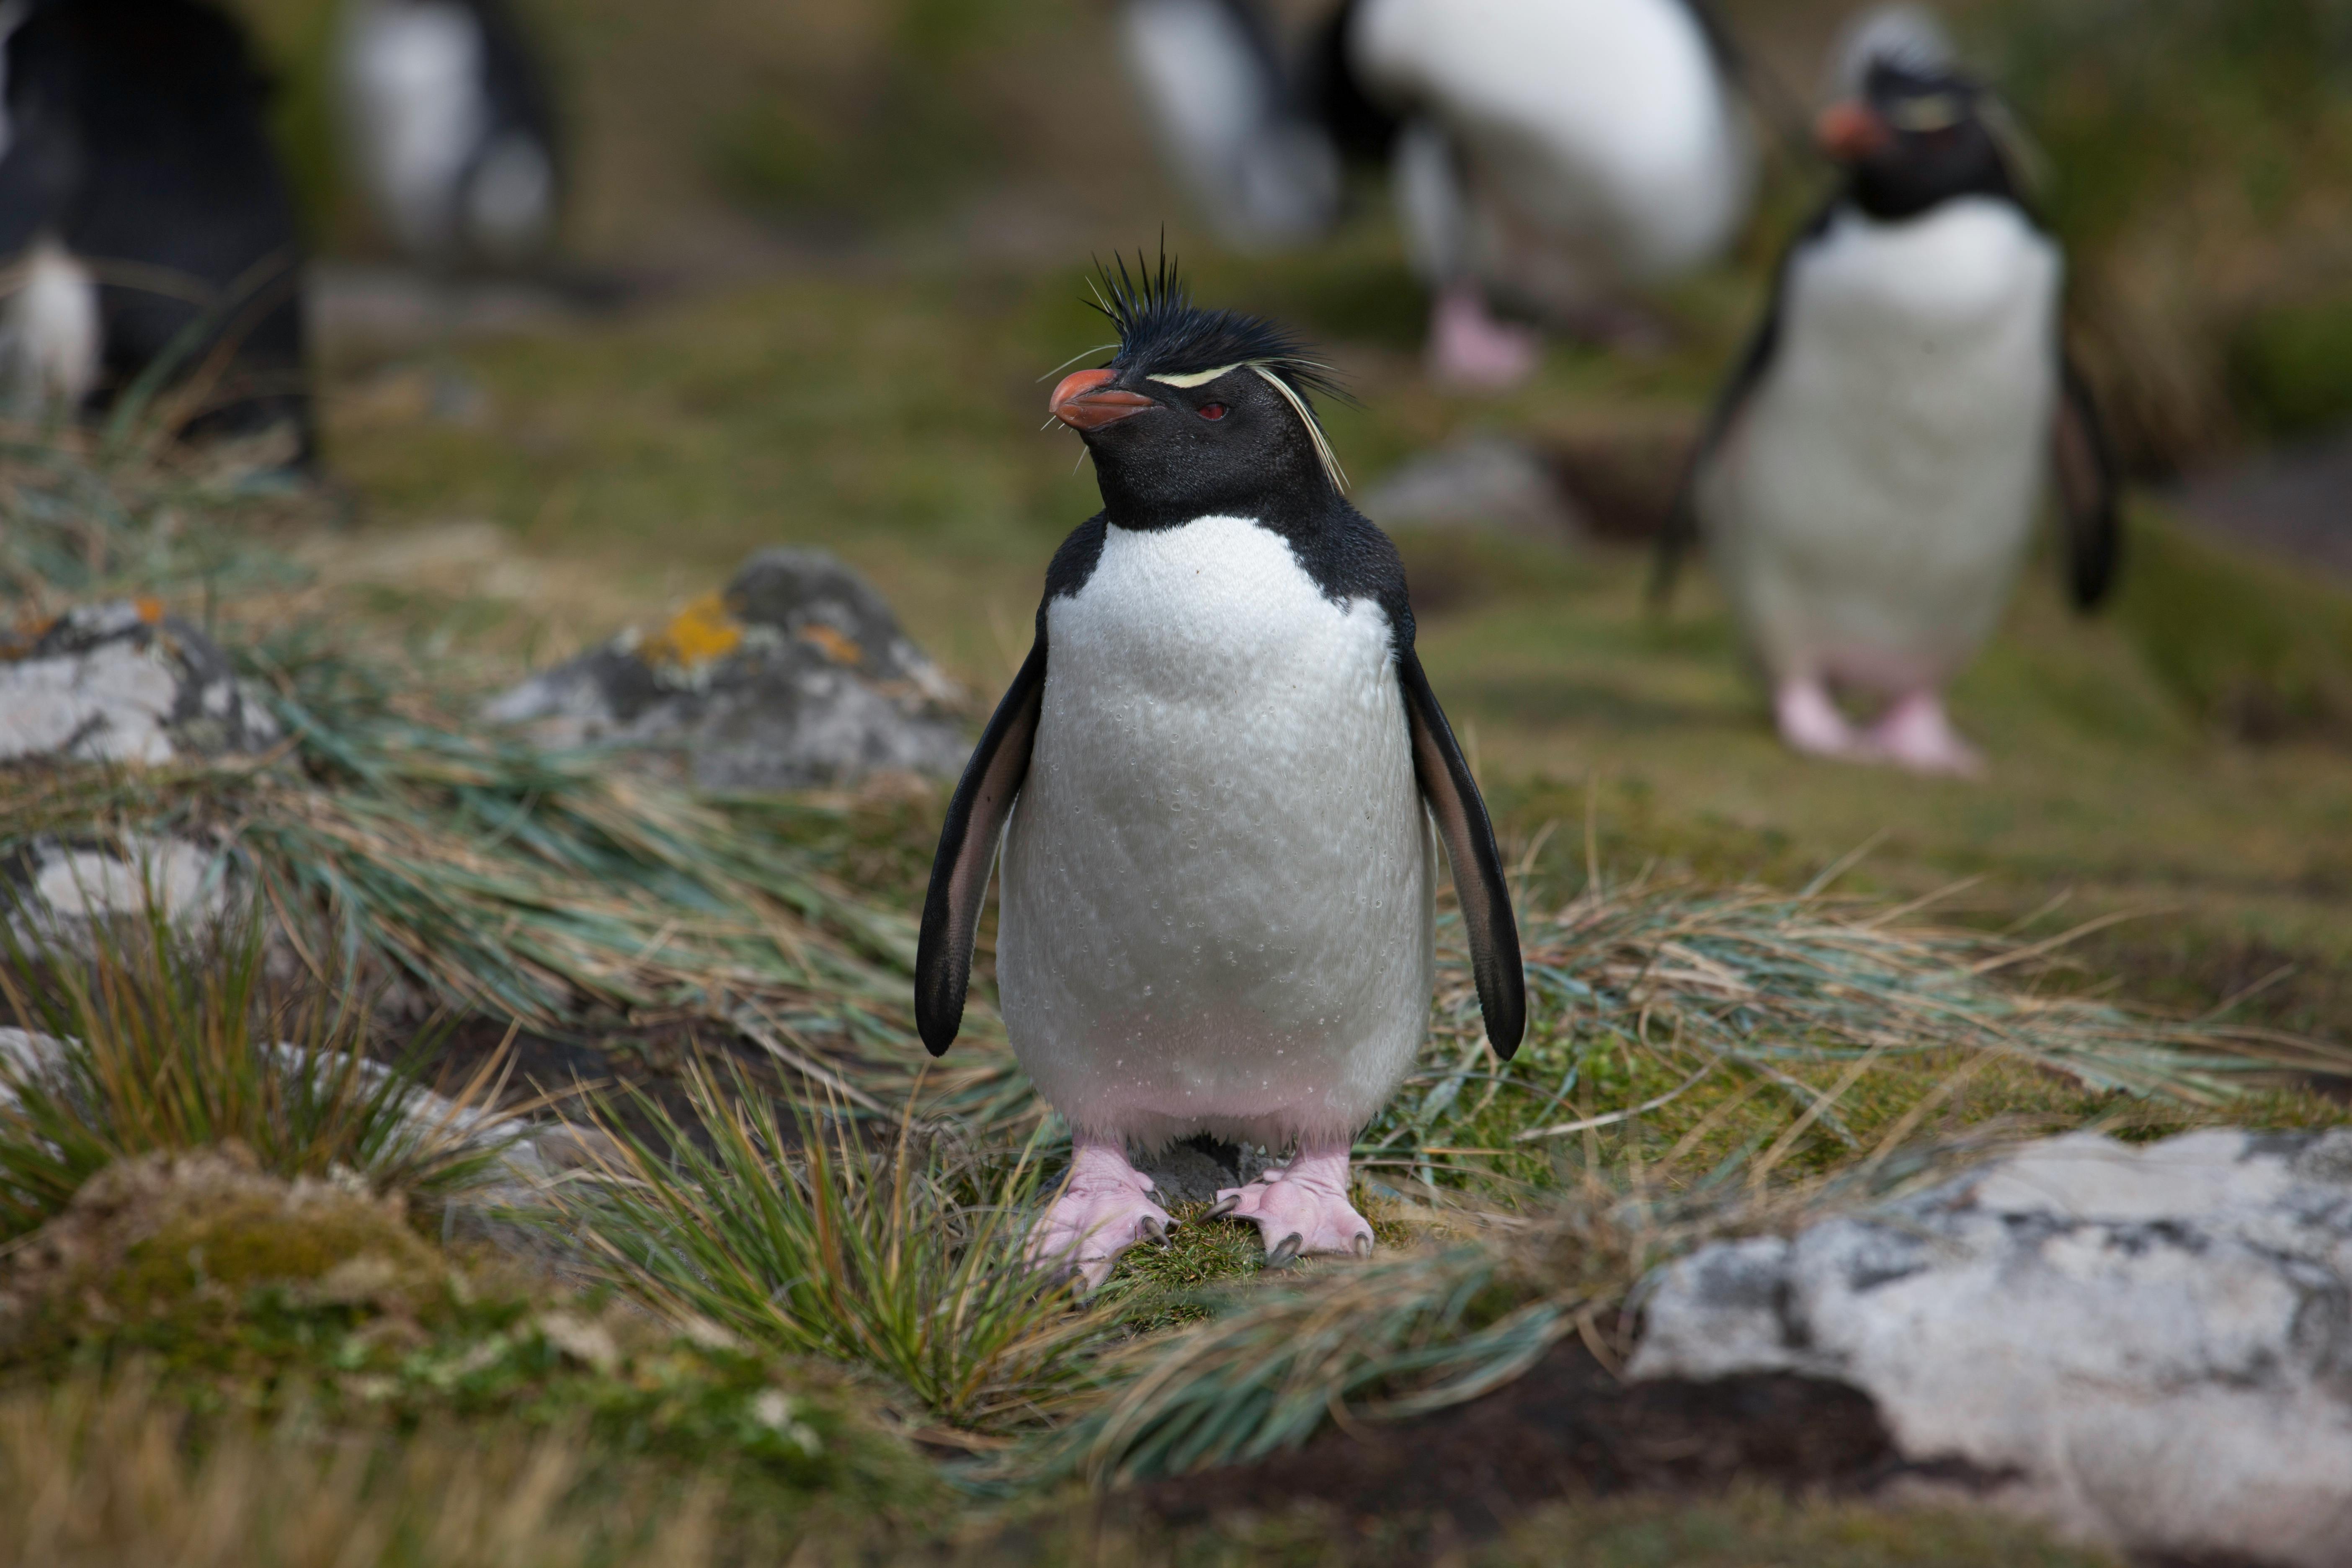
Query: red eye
{"type": "Point", "coordinates": [1212, 411]}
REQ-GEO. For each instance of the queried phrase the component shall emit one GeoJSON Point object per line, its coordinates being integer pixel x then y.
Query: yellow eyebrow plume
{"type": "Point", "coordinates": [1331, 461]}
{"type": "Point", "coordinates": [1198, 377]}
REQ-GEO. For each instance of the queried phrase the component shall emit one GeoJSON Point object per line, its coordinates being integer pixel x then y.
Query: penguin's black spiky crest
{"type": "Point", "coordinates": [1163, 335]}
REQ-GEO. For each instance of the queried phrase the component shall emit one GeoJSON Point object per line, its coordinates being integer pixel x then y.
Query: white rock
{"type": "Point", "coordinates": [183, 879]}
{"type": "Point", "coordinates": [122, 682]}
{"type": "Point", "coordinates": [2152, 1345]}
{"type": "Point", "coordinates": [111, 704]}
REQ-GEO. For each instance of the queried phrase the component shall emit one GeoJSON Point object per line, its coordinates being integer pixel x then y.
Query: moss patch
{"type": "Point", "coordinates": [248, 1296]}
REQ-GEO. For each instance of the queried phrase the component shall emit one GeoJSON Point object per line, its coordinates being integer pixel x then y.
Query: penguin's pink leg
{"type": "Point", "coordinates": [1809, 721]}
{"type": "Point", "coordinates": [1302, 1206]}
{"type": "Point", "coordinates": [1469, 348]}
{"type": "Point", "coordinates": [1917, 734]}
{"type": "Point", "coordinates": [1105, 1208]}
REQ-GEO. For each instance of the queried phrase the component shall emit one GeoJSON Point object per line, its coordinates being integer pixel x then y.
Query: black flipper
{"type": "Point", "coordinates": [968, 850]}
{"type": "Point", "coordinates": [1681, 530]}
{"type": "Point", "coordinates": [2084, 467]}
{"type": "Point", "coordinates": [1469, 840]}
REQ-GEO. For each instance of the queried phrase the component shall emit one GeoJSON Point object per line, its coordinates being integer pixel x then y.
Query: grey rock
{"type": "Point", "coordinates": [2152, 1344]}
{"type": "Point", "coordinates": [2289, 501]}
{"type": "Point", "coordinates": [1477, 481]}
{"type": "Point", "coordinates": [799, 676]}
{"type": "Point", "coordinates": [123, 682]}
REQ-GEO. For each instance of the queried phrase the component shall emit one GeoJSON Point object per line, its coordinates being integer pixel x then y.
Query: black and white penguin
{"type": "Point", "coordinates": [1553, 152]}
{"type": "Point", "coordinates": [147, 217]}
{"type": "Point", "coordinates": [1220, 765]}
{"type": "Point", "coordinates": [453, 128]}
{"type": "Point", "coordinates": [1867, 482]}
{"type": "Point", "coordinates": [1544, 152]}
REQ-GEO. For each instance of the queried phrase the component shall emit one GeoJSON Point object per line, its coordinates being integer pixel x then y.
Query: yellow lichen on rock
{"type": "Point", "coordinates": [700, 634]}
{"type": "Point", "coordinates": [832, 644]}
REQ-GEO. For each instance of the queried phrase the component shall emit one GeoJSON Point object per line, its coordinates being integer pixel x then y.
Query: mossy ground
{"type": "Point", "coordinates": [247, 1301]}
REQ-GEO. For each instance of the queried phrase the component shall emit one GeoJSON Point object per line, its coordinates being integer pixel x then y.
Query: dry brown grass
{"type": "Point", "coordinates": [113, 1477]}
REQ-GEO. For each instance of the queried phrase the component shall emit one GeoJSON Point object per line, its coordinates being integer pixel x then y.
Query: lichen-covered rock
{"type": "Point", "coordinates": [797, 676]}
{"type": "Point", "coordinates": [52, 887]}
{"type": "Point", "coordinates": [123, 681]}
{"type": "Point", "coordinates": [2150, 1347]}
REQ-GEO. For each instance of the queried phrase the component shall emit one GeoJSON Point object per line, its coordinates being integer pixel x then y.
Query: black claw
{"type": "Point", "coordinates": [1154, 1231]}
{"type": "Point", "coordinates": [1361, 1246]}
{"type": "Point", "coordinates": [1222, 1208]}
{"type": "Point", "coordinates": [1285, 1250]}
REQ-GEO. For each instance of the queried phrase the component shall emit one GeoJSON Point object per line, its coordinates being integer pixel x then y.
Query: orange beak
{"type": "Point", "coordinates": [1086, 401]}
{"type": "Point", "coordinates": [1849, 132]}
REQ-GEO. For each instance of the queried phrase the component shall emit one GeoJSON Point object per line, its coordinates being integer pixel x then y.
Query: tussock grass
{"type": "Point", "coordinates": [1396, 1339]}
{"type": "Point", "coordinates": [1676, 1026]}
{"type": "Point", "coordinates": [167, 1043]}
{"type": "Point", "coordinates": [125, 509]}
{"type": "Point", "coordinates": [491, 873]}
{"type": "Point", "coordinates": [900, 1255]}
{"type": "Point", "coordinates": [1704, 1061]}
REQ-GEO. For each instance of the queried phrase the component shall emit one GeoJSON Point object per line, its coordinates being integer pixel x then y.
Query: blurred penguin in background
{"type": "Point", "coordinates": [453, 130]}
{"type": "Point", "coordinates": [147, 226]}
{"type": "Point", "coordinates": [1868, 483]}
{"type": "Point", "coordinates": [1544, 153]}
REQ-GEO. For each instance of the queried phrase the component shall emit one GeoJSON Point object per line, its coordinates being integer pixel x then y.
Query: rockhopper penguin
{"type": "Point", "coordinates": [1220, 766]}
{"type": "Point", "coordinates": [144, 212]}
{"type": "Point", "coordinates": [1867, 482]}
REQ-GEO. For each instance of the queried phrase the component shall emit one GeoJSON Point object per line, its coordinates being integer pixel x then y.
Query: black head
{"type": "Point", "coordinates": [1916, 135]}
{"type": "Point", "coordinates": [1200, 412]}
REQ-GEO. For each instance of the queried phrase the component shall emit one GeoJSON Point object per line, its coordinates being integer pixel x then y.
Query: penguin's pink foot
{"type": "Point", "coordinates": [1809, 721]}
{"type": "Point", "coordinates": [1468, 348]}
{"type": "Point", "coordinates": [1915, 733]}
{"type": "Point", "coordinates": [1105, 1208]}
{"type": "Point", "coordinates": [1300, 1208]}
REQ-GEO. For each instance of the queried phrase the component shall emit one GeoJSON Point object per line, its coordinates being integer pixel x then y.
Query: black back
{"type": "Point", "coordinates": [512, 77]}
{"type": "Point", "coordinates": [1360, 125]}
{"type": "Point", "coordinates": [515, 86]}
{"type": "Point", "coordinates": [138, 137]}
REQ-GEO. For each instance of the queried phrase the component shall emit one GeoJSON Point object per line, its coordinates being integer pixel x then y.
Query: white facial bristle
{"type": "Point", "coordinates": [1331, 469]}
